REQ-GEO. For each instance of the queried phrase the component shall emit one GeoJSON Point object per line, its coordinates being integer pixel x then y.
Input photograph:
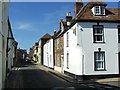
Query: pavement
{"type": "Point", "coordinates": [107, 81]}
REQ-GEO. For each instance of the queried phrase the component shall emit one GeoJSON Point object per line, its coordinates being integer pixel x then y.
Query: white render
{"type": "Point", "coordinates": [48, 54]}
{"type": "Point", "coordinates": [81, 49]}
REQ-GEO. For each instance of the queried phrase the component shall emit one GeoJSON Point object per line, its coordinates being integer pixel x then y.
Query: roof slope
{"type": "Point", "coordinates": [112, 14]}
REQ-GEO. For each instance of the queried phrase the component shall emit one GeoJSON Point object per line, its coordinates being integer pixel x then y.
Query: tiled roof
{"type": "Point", "coordinates": [46, 36]}
{"type": "Point", "coordinates": [112, 14]}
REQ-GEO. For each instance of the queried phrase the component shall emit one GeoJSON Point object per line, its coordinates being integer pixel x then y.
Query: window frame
{"type": "Point", "coordinates": [96, 34]}
{"type": "Point", "coordinates": [103, 68]}
{"type": "Point", "coordinates": [67, 62]}
{"type": "Point", "coordinates": [67, 39]}
{"type": "Point", "coordinates": [99, 10]}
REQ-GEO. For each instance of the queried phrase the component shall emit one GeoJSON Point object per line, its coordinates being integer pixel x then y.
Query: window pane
{"type": "Point", "coordinates": [99, 60]}
{"type": "Point", "coordinates": [102, 10]}
{"type": "Point", "coordinates": [97, 10]}
{"type": "Point", "coordinates": [98, 33]}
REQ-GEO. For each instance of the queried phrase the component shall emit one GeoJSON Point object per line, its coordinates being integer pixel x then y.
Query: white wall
{"type": "Point", "coordinates": [75, 53]}
{"type": "Point", "coordinates": [81, 49]}
{"type": "Point", "coordinates": [110, 47]}
{"type": "Point", "coordinates": [48, 54]}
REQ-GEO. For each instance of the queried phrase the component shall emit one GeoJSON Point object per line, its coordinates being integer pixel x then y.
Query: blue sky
{"type": "Point", "coordinates": [31, 20]}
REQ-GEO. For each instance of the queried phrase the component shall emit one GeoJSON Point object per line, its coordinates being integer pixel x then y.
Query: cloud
{"type": "Point", "coordinates": [22, 26]}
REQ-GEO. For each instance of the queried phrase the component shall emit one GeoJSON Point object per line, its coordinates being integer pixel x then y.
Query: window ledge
{"type": "Point", "coordinates": [101, 70]}
{"type": "Point", "coordinates": [99, 42]}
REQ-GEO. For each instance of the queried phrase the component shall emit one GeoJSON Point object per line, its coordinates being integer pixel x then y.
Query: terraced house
{"type": "Point", "coordinates": [91, 44]}
{"type": "Point", "coordinates": [59, 43]}
{"type": "Point", "coordinates": [48, 53]}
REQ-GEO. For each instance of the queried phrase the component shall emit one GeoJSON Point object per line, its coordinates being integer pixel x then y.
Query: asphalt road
{"type": "Point", "coordinates": [30, 76]}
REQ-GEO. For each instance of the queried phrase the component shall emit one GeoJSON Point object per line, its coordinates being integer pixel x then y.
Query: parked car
{"type": "Point", "coordinates": [28, 60]}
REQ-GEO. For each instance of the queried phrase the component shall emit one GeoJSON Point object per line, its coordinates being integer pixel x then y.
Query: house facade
{"type": "Point", "coordinates": [39, 52]}
{"type": "Point", "coordinates": [48, 53]}
{"type": "Point", "coordinates": [44, 39]}
{"type": "Point", "coordinates": [59, 43]}
{"type": "Point", "coordinates": [35, 51]}
{"type": "Point", "coordinates": [21, 55]}
{"type": "Point", "coordinates": [91, 43]}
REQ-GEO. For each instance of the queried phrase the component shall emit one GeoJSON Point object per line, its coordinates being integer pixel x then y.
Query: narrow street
{"type": "Point", "coordinates": [34, 76]}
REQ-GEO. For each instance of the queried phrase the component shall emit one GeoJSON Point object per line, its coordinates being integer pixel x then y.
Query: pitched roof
{"type": "Point", "coordinates": [85, 14]}
{"type": "Point", "coordinates": [46, 36]}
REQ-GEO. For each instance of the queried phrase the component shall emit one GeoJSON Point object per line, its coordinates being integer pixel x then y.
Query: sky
{"type": "Point", "coordinates": [31, 20]}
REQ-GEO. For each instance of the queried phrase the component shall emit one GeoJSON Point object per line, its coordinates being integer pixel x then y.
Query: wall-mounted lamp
{"type": "Point", "coordinates": [99, 49]}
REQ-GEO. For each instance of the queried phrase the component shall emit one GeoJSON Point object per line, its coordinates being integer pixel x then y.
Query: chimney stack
{"type": "Point", "coordinates": [68, 18]}
{"type": "Point", "coordinates": [78, 6]}
{"type": "Point", "coordinates": [54, 32]}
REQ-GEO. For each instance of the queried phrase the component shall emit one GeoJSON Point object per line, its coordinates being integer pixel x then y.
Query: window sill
{"type": "Point", "coordinates": [101, 70]}
{"type": "Point", "coordinates": [99, 42]}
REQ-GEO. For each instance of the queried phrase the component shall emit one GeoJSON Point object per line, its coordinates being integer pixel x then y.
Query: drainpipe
{"type": "Point", "coordinates": [2, 38]}
{"type": "Point", "coordinates": [81, 30]}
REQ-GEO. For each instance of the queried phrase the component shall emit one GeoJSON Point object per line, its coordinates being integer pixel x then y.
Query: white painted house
{"type": "Point", "coordinates": [91, 43]}
{"type": "Point", "coordinates": [48, 54]}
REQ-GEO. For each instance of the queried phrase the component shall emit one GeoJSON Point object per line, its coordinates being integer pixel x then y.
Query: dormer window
{"type": "Point", "coordinates": [99, 10]}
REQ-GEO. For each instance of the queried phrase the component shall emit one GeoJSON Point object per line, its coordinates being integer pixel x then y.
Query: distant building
{"type": "Point", "coordinates": [21, 55]}
{"type": "Point", "coordinates": [44, 39]}
{"type": "Point", "coordinates": [35, 51]}
{"type": "Point", "coordinates": [48, 53]}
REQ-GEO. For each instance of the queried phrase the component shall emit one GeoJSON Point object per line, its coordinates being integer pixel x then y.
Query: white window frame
{"type": "Point", "coordinates": [99, 10]}
{"type": "Point", "coordinates": [97, 34]}
{"type": "Point", "coordinates": [99, 59]}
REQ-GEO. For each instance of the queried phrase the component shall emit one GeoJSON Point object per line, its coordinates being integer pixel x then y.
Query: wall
{"type": "Point", "coordinates": [81, 49]}
{"type": "Point", "coordinates": [48, 54]}
{"type": "Point", "coordinates": [39, 52]}
{"type": "Point", "coordinates": [5, 32]}
{"type": "Point", "coordinates": [75, 53]}
{"type": "Point", "coordinates": [110, 47]}
{"type": "Point", "coordinates": [1, 45]}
